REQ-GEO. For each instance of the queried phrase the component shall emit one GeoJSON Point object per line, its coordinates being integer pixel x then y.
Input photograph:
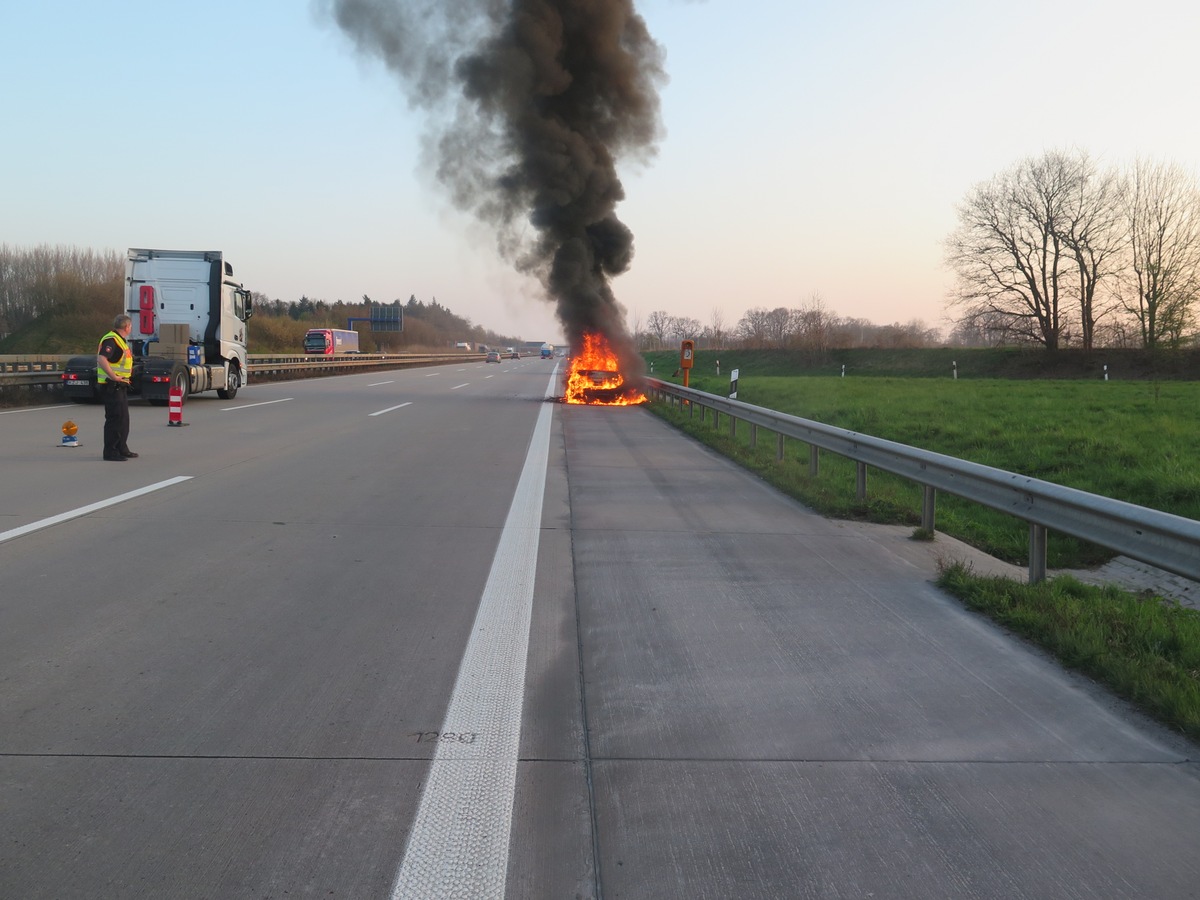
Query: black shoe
{"type": "Point", "coordinates": [130, 455]}
{"type": "Point", "coordinates": [114, 459]}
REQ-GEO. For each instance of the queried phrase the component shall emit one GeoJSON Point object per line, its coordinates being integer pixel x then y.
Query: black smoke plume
{"type": "Point", "coordinates": [531, 103]}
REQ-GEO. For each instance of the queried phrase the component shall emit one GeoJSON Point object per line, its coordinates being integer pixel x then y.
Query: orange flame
{"type": "Point", "coordinates": [595, 378]}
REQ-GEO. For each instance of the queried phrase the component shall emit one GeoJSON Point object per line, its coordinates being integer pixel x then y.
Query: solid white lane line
{"type": "Point", "coordinates": [390, 408]}
{"type": "Point", "coordinates": [458, 845]}
{"type": "Point", "coordinates": [90, 508]}
{"type": "Point", "coordinates": [25, 409]}
{"type": "Point", "coordinates": [252, 405]}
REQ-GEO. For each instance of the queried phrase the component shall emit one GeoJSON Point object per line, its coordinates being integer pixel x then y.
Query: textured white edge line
{"type": "Point", "coordinates": [90, 508]}
{"type": "Point", "coordinates": [252, 405]}
{"type": "Point", "coordinates": [390, 409]}
{"type": "Point", "coordinates": [458, 845]}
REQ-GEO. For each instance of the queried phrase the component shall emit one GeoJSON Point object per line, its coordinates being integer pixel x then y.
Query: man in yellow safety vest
{"type": "Point", "coordinates": [114, 368]}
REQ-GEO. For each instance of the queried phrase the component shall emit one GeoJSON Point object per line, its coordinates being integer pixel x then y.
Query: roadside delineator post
{"type": "Point", "coordinates": [175, 400]}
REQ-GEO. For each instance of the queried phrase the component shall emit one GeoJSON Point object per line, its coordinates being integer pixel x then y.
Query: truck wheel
{"type": "Point", "coordinates": [235, 382]}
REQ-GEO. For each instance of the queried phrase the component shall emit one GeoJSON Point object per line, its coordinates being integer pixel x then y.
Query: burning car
{"type": "Point", "coordinates": [595, 376]}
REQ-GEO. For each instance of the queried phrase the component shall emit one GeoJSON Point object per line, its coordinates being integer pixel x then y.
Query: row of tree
{"type": "Point", "coordinates": [812, 328]}
{"type": "Point", "coordinates": [1059, 251]}
{"type": "Point", "coordinates": [62, 280]}
{"type": "Point", "coordinates": [279, 325]}
{"type": "Point", "coordinates": [69, 282]}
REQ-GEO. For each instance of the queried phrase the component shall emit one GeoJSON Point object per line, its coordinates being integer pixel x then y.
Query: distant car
{"type": "Point", "coordinates": [513, 354]}
{"type": "Point", "coordinates": [493, 356]}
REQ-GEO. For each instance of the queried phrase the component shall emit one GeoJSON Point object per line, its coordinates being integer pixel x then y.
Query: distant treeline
{"type": "Point", "coordinates": [61, 299]}
{"type": "Point", "coordinates": [279, 326]}
{"type": "Point", "coordinates": [79, 288]}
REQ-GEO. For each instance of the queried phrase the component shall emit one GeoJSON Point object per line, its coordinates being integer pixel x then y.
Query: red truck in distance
{"type": "Point", "coordinates": [330, 342]}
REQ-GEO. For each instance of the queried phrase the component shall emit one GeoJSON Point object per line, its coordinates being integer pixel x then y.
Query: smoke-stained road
{"type": "Point", "coordinates": [234, 686]}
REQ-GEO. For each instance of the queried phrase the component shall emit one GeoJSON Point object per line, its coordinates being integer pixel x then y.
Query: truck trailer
{"type": "Point", "coordinates": [330, 341]}
{"type": "Point", "coordinates": [189, 328]}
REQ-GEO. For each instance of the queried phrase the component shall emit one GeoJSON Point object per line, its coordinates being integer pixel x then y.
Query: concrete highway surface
{"type": "Point", "coordinates": [427, 634]}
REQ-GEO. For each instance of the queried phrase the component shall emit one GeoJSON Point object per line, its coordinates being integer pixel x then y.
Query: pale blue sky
{"type": "Point", "coordinates": [808, 147]}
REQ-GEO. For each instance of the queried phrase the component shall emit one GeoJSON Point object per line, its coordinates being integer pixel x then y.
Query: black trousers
{"type": "Point", "coordinates": [116, 420]}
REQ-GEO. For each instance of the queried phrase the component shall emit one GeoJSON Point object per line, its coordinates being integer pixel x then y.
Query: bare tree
{"type": "Point", "coordinates": [1089, 224]}
{"type": "Point", "coordinates": [778, 327]}
{"type": "Point", "coordinates": [753, 328]}
{"type": "Point", "coordinates": [813, 324]}
{"type": "Point", "coordinates": [658, 324]}
{"type": "Point", "coordinates": [1008, 250]}
{"type": "Point", "coordinates": [716, 328]}
{"type": "Point", "coordinates": [685, 327]}
{"type": "Point", "coordinates": [1162, 211]}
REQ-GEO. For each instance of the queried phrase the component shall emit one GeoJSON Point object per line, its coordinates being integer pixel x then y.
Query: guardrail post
{"type": "Point", "coordinates": [814, 460]}
{"type": "Point", "coordinates": [779, 447]}
{"type": "Point", "coordinates": [733, 426]}
{"type": "Point", "coordinates": [716, 420]}
{"type": "Point", "coordinates": [928, 501]}
{"type": "Point", "coordinates": [1037, 553]}
{"type": "Point", "coordinates": [753, 435]}
{"type": "Point", "coordinates": [861, 480]}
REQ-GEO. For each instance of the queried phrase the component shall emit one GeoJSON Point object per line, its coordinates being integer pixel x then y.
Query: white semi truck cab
{"type": "Point", "coordinates": [189, 327]}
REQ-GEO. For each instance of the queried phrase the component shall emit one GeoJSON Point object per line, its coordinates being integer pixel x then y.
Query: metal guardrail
{"type": "Point", "coordinates": [30, 369]}
{"type": "Point", "coordinates": [265, 363]}
{"type": "Point", "coordinates": [1157, 538]}
{"type": "Point", "coordinates": [46, 370]}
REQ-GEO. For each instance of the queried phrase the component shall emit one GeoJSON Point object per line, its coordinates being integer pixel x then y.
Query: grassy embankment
{"type": "Point", "coordinates": [1138, 441]}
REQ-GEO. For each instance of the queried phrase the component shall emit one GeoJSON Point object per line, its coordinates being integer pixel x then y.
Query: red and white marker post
{"type": "Point", "coordinates": [175, 401]}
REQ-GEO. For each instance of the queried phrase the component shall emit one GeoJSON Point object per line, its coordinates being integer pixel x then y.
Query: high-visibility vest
{"type": "Point", "coordinates": [123, 366]}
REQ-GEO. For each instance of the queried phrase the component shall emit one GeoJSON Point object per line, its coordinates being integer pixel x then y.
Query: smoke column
{"type": "Point", "coordinates": [531, 103]}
